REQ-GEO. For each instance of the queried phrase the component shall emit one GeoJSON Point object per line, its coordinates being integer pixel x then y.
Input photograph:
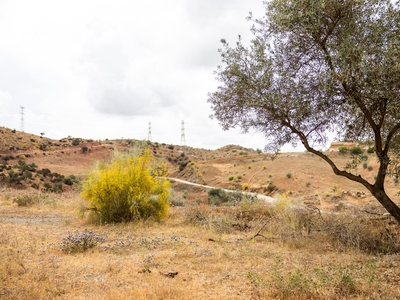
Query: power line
{"type": "Point", "coordinates": [22, 118]}
{"type": "Point", "coordinates": [149, 135]}
{"type": "Point", "coordinates": [183, 140]}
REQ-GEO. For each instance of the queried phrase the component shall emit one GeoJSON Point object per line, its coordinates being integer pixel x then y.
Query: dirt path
{"type": "Point", "coordinates": [259, 196]}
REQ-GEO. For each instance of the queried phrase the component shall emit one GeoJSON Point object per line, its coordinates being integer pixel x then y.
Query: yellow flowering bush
{"type": "Point", "coordinates": [125, 190]}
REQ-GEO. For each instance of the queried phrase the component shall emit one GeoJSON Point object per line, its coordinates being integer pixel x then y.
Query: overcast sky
{"type": "Point", "coordinates": [105, 69]}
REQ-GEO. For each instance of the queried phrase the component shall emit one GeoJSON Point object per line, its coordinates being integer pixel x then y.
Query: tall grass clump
{"type": "Point", "coordinates": [124, 190]}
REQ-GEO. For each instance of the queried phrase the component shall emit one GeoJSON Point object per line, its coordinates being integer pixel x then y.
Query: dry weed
{"type": "Point", "coordinates": [199, 252]}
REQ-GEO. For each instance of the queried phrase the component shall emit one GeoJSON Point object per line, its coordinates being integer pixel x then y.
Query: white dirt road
{"type": "Point", "coordinates": [259, 196]}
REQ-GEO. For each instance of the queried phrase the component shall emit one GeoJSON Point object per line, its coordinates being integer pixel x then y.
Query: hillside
{"type": "Point", "coordinates": [51, 248]}
{"type": "Point", "coordinates": [302, 176]}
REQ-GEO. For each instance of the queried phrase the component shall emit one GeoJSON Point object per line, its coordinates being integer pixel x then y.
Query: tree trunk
{"type": "Point", "coordinates": [386, 202]}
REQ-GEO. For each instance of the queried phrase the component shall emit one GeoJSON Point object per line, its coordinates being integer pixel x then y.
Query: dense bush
{"type": "Point", "coordinates": [124, 190]}
{"type": "Point", "coordinates": [183, 164]}
{"type": "Point", "coordinates": [217, 196]}
{"type": "Point", "coordinates": [71, 180]}
{"type": "Point", "coordinates": [84, 149]}
{"type": "Point", "coordinates": [14, 178]}
{"type": "Point", "coordinates": [45, 172]}
{"type": "Point", "coordinates": [56, 177]}
{"type": "Point", "coordinates": [343, 149]}
{"type": "Point", "coordinates": [270, 188]}
{"type": "Point", "coordinates": [25, 167]}
{"type": "Point", "coordinates": [356, 150]}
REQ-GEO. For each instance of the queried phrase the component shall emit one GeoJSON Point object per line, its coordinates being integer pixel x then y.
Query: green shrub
{"type": "Point", "coordinates": [356, 150]}
{"type": "Point", "coordinates": [183, 164]}
{"type": "Point", "coordinates": [45, 172]}
{"type": "Point", "coordinates": [270, 188]}
{"type": "Point", "coordinates": [13, 178]}
{"type": "Point", "coordinates": [214, 200]}
{"type": "Point", "coordinates": [27, 174]}
{"type": "Point", "coordinates": [245, 186]}
{"type": "Point", "coordinates": [289, 175]}
{"type": "Point", "coordinates": [44, 147]}
{"type": "Point", "coordinates": [220, 193]}
{"type": "Point", "coordinates": [343, 149]}
{"type": "Point", "coordinates": [231, 177]}
{"type": "Point", "coordinates": [71, 180]}
{"type": "Point", "coordinates": [365, 165]}
{"type": "Point", "coordinates": [53, 188]}
{"type": "Point", "coordinates": [57, 188]}
{"type": "Point", "coordinates": [56, 177]}
{"type": "Point", "coordinates": [217, 196]}
{"type": "Point", "coordinates": [369, 168]}
{"type": "Point", "coordinates": [84, 149]}
{"type": "Point", "coordinates": [371, 150]}
{"type": "Point", "coordinates": [25, 201]}
{"type": "Point", "coordinates": [124, 190]}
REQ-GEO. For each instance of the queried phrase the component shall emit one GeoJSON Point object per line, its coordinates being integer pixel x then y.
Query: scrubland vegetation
{"type": "Point", "coordinates": [83, 240]}
{"type": "Point", "coordinates": [242, 248]}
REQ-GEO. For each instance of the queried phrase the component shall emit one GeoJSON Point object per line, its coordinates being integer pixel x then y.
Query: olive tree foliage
{"type": "Point", "coordinates": [315, 67]}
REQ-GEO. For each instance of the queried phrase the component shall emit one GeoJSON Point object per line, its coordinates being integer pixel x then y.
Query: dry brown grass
{"type": "Point", "coordinates": [250, 251]}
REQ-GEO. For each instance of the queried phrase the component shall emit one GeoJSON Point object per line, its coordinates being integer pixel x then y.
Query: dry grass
{"type": "Point", "coordinates": [249, 251]}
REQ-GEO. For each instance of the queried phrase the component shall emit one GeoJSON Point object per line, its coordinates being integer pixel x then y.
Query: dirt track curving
{"type": "Point", "coordinates": [259, 196]}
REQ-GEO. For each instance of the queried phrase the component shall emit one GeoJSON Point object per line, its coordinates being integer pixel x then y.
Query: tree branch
{"type": "Point", "coordinates": [335, 169]}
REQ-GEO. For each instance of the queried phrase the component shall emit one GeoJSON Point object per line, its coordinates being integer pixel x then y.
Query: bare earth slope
{"type": "Point", "coordinates": [301, 176]}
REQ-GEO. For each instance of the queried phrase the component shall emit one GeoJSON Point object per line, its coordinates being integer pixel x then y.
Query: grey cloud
{"type": "Point", "coordinates": [130, 101]}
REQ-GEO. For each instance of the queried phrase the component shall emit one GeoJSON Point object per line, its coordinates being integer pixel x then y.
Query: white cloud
{"type": "Point", "coordinates": [105, 69]}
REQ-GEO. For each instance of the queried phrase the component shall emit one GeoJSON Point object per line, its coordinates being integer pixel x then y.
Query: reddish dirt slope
{"type": "Point", "coordinates": [311, 179]}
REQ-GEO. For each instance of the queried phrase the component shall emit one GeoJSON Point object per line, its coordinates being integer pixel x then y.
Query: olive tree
{"type": "Point", "coordinates": [318, 67]}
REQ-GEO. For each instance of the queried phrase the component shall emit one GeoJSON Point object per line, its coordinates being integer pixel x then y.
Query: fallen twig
{"type": "Point", "coordinates": [258, 232]}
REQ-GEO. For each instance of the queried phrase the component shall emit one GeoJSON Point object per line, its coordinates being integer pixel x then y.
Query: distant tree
{"type": "Point", "coordinates": [315, 67]}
